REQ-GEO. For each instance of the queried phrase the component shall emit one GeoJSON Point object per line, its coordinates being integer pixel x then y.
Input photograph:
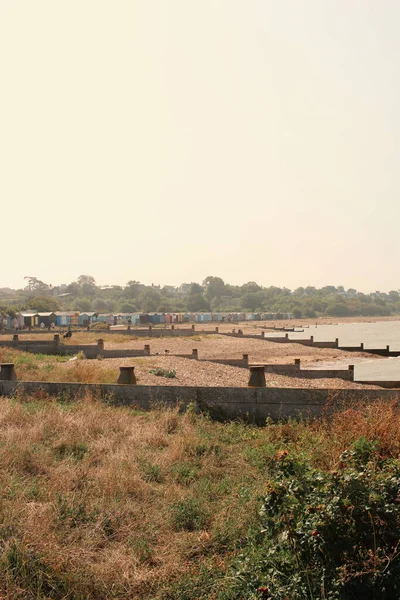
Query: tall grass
{"type": "Point", "coordinates": [42, 367]}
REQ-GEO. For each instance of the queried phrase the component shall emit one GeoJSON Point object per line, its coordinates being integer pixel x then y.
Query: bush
{"type": "Point", "coordinates": [99, 326]}
{"type": "Point", "coordinates": [328, 535]}
{"type": "Point", "coordinates": [163, 373]}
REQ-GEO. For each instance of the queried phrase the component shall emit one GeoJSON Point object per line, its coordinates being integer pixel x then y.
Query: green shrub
{"type": "Point", "coordinates": [163, 373]}
{"type": "Point", "coordinates": [329, 535]}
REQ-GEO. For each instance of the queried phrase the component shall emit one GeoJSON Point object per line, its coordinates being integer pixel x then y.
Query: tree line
{"type": "Point", "coordinates": [213, 294]}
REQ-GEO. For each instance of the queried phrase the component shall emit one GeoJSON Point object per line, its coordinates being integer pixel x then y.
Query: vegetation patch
{"type": "Point", "coordinates": [168, 373]}
{"type": "Point", "coordinates": [103, 502]}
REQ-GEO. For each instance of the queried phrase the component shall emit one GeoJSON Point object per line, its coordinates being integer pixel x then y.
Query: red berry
{"type": "Point", "coordinates": [314, 533]}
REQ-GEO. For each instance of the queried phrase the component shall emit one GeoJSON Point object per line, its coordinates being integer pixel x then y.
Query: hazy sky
{"type": "Point", "coordinates": [169, 140]}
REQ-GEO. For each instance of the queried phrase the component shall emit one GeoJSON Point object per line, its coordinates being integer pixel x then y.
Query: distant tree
{"type": "Point", "coordinates": [337, 309]}
{"type": "Point", "coordinates": [165, 306]}
{"type": "Point", "coordinates": [43, 304]}
{"type": "Point", "coordinates": [299, 291]}
{"type": "Point", "coordinates": [149, 299]}
{"type": "Point", "coordinates": [86, 280]}
{"type": "Point", "coordinates": [35, 286]}
{"type": "Point", "coordinates": [328, 289]}
{"type": "Point", "coordinates": [87, 285]}
{"type": "Point", "coordinates": [127, 307]}
{"type": "Point", "coordinates": [99, 304]}
{"type": "Point", "coordinates": [133, 288]}
{"type": "Point", "coordinates": [111, 304]}
{"type": "Point", "coordinates": [197, 302]}
{"type": "Point", "coordinates": [83, 304]}
{"type": "Point", "coordinates": [250, 301]}
{"type": "Point", "coordinates": [73, 288]}
{"type": "Point", "coordinates": [250, 287]}
{"type": "Point", "coordinates": [195, 289]}
{"type": "Point", "coordinates": [214, 287]}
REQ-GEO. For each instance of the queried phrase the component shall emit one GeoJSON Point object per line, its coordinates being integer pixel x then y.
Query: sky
{"type": "Point", "coordinates": [170, 140]}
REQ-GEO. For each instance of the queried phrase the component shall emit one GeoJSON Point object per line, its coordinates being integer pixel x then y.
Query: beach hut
{"type": "Point", "coordinates": [106, 318]}
{"type": "Point", "coordinates": [86, 318]}
{"type": "Point", "coordinates": [27, 318]}
{"type": "Point", "coordinates": [62, 319]}
{"type": "Point", "coordinates": [47, 318]}
{"type": "Point", "coordinates": [5, 321]}
{"type": "Point", "coordinates": [144, 319]}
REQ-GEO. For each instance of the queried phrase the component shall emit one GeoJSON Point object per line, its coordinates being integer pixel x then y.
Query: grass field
{"type": "Point", "coordinates": [100, 502]}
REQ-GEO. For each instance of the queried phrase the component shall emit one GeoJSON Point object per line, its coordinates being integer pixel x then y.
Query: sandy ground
{"type": "Point", "coordinates": [230, 347]}
{"type": "Point", "coordinates": [199, 373]}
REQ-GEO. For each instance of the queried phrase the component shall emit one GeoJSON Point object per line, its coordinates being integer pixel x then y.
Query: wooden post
{"type": "Point", "coordinates": [246, 359]}
{"type": "Point", "coordinates": [100, 347]}
{"type": "Point", "coordinates": [351, 371]}
{"type": "Point", "coordinates": [147, 350]}
{"type": "Point", "coordinates": [127, 376]}
{"type": "Point", "coordinates": [15, 337]}
{"type": "Point", "coordinates": [7, 372]}
{"type": "Point", "coordinates": [257, 377]}
{"type": "Point", "coordinates": [195, 353]}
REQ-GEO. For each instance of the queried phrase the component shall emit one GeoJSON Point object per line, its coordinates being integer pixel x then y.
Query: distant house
{"type": "Point", "coordinates": [28, 318]}
{"type": "Point", "coordinates": [204, 317]}
{"type": "Point", "coordinates": [66, 319]}
{"type": "Point", "coordinates": [47, 318]}
{"type": "Point", "coordinates": [5, 321]}
{"type": "Point", "coordinates": [107, 318]}
{"type": "Point", "coordinates": [86, 318]}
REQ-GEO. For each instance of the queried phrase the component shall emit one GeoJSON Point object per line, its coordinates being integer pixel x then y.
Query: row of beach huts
{"type": "Point", "coordinates": [84, 319]}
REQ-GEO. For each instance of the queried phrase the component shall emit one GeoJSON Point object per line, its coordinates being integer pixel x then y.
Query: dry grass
{"type": "Point", "coordinates": [109, 503]}
{"type": "Point", "coordinates": [100, 502]}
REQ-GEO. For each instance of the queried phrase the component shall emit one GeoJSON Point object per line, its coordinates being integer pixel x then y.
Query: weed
{"type": "Point", "coordinates": [169, 374]}
{"type": "Point", "coordinates": [141, 548]}
{"type": "Point", "coordinates": [150, 471]}
{"type": "Point", "coordinates": [188, 515]}
{"type": "Point", "coordinates": [185, 474]}
{"type": "Point", "coordinates": [74, 514]}
{"type": "Point", "coordinates": [75, 451]}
